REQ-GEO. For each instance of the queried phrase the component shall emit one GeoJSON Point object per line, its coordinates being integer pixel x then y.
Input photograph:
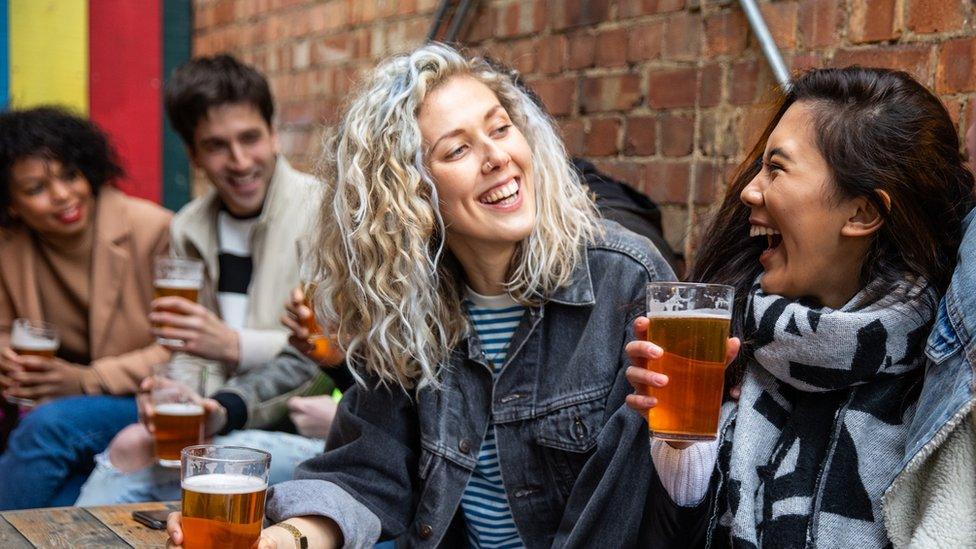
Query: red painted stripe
{"type": "Point", "coordinates": [125, 80]}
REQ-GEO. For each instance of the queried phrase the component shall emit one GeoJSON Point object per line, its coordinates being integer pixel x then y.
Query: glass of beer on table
{"type": "Point", "coordinates": [179, 277]}
{"type": "Point", "coordinates": [690, 322]}
{"type": "Point", "coordinates": [223, 495]}
{"type": "Point", "coordinates": [29, 337]}
{"type": "Point", "coordinates": [177, 409]}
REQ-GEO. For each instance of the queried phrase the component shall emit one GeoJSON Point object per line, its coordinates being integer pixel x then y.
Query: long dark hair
{"type": "Point", "coordinates": [877, 129]}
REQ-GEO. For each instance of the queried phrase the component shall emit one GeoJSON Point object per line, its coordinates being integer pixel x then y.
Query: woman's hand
{"type": "Point", "coordinates": [38, 378]}
{"type": "Point", "coordinates": [202, 332]}
{"type": "Point", "coordinates": [306, 335]}
{"type": "Point", "coordinates": [320, 531]}
{"type": "Point", "coordinates": [216, 415]}
{"type": "Point", "coordinates": [643, 378]}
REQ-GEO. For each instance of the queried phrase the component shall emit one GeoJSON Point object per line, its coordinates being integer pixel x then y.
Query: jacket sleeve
{"type": "Point", "coordinates": [259, 347]}
{"type": "Point", "coordinates": [265, 390]}
{"type": "Point", "coordinates": [365, 479]}
{"type": "Point", "coordinates": [122, 374]}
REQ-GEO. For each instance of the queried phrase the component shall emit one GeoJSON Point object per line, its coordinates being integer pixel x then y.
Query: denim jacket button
{"type": "Point", "coordinates": [426, 531]}
{"type": "Point", "coordinates": [464, 446]}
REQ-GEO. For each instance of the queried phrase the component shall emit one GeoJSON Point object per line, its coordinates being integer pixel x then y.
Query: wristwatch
{"type": "Point", "coordinates": [301, 542]}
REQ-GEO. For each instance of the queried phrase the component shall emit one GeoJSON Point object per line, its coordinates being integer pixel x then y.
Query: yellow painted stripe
{"type": "Point", "coordinates": [49, 53]}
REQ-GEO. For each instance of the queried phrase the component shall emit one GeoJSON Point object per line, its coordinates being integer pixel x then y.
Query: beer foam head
{"type": "Point", "coordinates": [27, 341]}
{"type": "Point", "coordinates": [221, 483]}
{"type": "Point", "coordinates": [178, 284]}
{"type": "Point", "coordinates": [179, 409]}
{"type": "Point", "coordinates": [696, 313]}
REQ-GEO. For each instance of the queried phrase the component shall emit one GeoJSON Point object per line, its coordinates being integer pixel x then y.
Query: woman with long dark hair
{"type": "Point", "coordinates": [839, 233]}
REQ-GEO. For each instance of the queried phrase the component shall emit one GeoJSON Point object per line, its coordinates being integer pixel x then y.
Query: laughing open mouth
{"type": "Point", "coordinates": [773, 237]}
{"type": "Point", "coordinates": [502, 195]}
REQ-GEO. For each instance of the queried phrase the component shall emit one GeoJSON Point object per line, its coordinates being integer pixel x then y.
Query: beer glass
{"type": "Point", "coordinates": [322, 345]}
{"type": "Point", "coordinates": [690, 322]}
{"type": "Point", "coordinates": [178, 413]}
{"type": "Point", "coordinates": [179, 277]}
{"type": "Point", "coordinates": [33, 338]}
{"type": "Point", "coordinates": [223, 495]}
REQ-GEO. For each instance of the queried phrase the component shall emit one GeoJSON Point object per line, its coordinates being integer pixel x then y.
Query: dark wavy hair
{"type": "Point", "coordinates": [205, 82]}
{"type": "Point", "coordinates": [877, 129]}
{"type": "Point", "coordinates": [56, 134]}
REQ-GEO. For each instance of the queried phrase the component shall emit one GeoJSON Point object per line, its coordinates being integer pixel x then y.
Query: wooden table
{"type": "Point", "coordinates": [109, 527]}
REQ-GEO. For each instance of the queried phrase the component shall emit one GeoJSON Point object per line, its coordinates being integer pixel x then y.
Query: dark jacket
{"type": "Point", "coordinates": [398, 462]}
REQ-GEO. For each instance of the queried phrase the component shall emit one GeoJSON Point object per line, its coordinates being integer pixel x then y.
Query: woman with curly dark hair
{"type": "Point", "coordinates": [77, 253]}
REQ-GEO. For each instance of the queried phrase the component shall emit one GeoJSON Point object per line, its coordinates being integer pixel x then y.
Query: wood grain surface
{"type": "Point", "coordinates": [70, 527]}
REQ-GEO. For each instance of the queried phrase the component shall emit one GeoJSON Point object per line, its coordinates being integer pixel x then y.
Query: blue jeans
{"type": "Point", "coordinates": [107, 485]}
{"type": "Point", "coordinates": [52, 451]}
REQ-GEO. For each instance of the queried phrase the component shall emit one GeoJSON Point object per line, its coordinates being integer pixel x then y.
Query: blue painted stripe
{"type": "Point", "coordinates": [4, 55]}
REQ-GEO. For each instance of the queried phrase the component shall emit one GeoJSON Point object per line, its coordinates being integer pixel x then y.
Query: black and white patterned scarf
{"type": "Point", "coordinates": [820, 426]}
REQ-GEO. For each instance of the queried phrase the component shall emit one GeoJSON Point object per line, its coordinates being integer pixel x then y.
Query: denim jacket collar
{"type": "Point", "coordinates": [960, 299]}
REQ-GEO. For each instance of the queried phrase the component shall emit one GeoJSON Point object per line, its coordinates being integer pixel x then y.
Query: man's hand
{"type": "Point", "coordinates": [38, 378]}
{"type": "Point", "coordinates": [312, 416]}
{"type": "Point", "coordinates": [203, 334]}
{"type": "Point", "coordinates": [216, 415]}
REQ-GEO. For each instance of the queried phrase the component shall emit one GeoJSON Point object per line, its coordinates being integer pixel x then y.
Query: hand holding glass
{"type": "Point", "coordinates": [177, 409]}
{"type": "Point", "coordinates": [224, 489]}
{"type": "Point", "coordinates": [691, 323]}
{"type": "Point", "coordinates": [177, 277]}
{"type": "Point", "coordinates": [35, 338]}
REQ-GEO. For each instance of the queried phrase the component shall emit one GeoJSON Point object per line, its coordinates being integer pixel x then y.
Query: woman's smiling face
{"type": "Point", "coordinates": [481, 165]}
{"type": "Point", "coordinates": [794, 206]}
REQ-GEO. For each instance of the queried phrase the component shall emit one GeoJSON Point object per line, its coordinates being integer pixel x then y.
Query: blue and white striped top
{"type": "Point", "coordinates": [484, 503]}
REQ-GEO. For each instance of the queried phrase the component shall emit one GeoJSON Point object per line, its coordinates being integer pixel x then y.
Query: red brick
{"type": "Point", "coordinates": [611, 48]}
{"type": "Point", "coordinates": [406, 7]}
{"type": "Point", "coordinates": [710, 86]}
{"type": "Point", "coordinates": [666, 182]}
{"type": "Point", "coordinates": [682, 37]}
{"type": "Point", "coordinates": [874, 21]}
{"type": "Point", "coordinates": [677, 134]}
{"type": "Point", "coordinates": [717, 134]}
{"type": "Point", "coordinates": [957, 66]}
{"type": "Point", "coordinates": [726, 33]}
{"type": "Point", "coordinates": [781, 18]}
{"type": "Point", "coordinates": [574, 136]}
{"type": "Point", "coordinates": [522, 55]}
{"type": "Point", "coordinates": [803, 62]}
{"type": "Point", "coordinates": [334, 49]}
{"type": "Point", "coordinates": [519, 18]}
{"type": "Point", "coordinates": [636, 8]}
{"type": "Point", "coordinates": [556, 93]}
{"type": "Point", "coordinates": [672, 88]}
{"type": "Point", "coordinates": [641, 136]}
{"type": "Point", "coordinates": [914, 59]}
{"type": "Point", "coordinates": [742, 82]}
{"type": "Point", "coordinates": [625, 172]}
{"type": "Point", "coordinates": [582, 51]}
{"type": "Point", "coordinates": [645, 41]}
{"type": "Point", "coordinates": [954, 108]}
{"type": "Point", "coordinates": [928, 16]}
{"type": "Point", "coordinates": [553, 51]}
{"type": "Point", "coordinates": [818, 22]}
{"type": "Point", "coordinates": [479, 27]}
{"type": "Point", "coordinates": [708, 182]}
{"type": "Point", "coordinates": [610, 93]}
{"type": "Point", "coordinates": [223, 13]}
{"type": "Point", "coordinates": [575, 13]}
{"type": "Point", "coordinates": [601, 139]}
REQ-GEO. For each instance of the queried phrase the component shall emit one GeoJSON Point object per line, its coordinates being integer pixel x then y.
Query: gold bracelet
{"type": "Point", "coordinates": [301, 542]}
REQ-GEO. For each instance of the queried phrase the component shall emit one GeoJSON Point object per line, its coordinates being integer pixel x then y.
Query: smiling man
{"type": "Point", "coordinates": [244, 228]}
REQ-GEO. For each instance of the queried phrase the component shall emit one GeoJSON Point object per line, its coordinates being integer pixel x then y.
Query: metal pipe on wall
{"type": "Point", "coordinates": [767, 43]}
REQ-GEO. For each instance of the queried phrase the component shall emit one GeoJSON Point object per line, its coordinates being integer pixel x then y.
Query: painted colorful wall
{"type": "Point", "coordinates": [106, 59]}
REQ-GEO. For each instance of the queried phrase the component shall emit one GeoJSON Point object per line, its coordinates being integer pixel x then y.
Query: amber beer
{"type": "Point", "coordinates": [177, 277]}
{"type": "Point", "coordinates": [177, 426]}
{"type": "Point", "coordinates": [221, 510]}
{"type": "Point", "coordinates": [224, 489]}
{"type": "Point", "coordinates": [690, 322]}
{"type": "Point", "coordinates": [694, 361]}
{"type": "Point", "coordinates": [187, 289]}
{"type": "Point", "coordinates": [323, 348]}
{"type": "Point", "coordinates": [33, 338]}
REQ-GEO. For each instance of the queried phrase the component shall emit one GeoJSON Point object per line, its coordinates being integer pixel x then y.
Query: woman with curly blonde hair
{"type": "Point", "coordinates": [484, 307]}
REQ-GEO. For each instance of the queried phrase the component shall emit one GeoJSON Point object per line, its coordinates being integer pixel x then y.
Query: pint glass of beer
{"type": "Point", "coordinates": [180, 277]}
{"type": "Point", "coordinates": [33, 338]}
{"type": "Point", "coordinates": [691, 323]}
{"type": "Point", "coordinates": [223, 496]}
{"type": "Point", "coordinates": [178, 413]}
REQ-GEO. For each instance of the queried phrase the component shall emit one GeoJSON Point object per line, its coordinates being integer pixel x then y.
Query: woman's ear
{"type": "Point", "coordinates": [866, 219]}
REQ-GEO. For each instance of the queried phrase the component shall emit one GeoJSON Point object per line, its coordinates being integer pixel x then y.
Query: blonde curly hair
{"type": "Point", "coordinates": [385, 280]}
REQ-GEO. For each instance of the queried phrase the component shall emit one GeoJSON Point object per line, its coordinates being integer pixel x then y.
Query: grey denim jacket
{"type": "Point", "coordinates": [396, 463]}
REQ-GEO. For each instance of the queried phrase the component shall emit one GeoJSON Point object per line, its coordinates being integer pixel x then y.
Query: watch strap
{"type": "Point", "coordinates": [301, 542]}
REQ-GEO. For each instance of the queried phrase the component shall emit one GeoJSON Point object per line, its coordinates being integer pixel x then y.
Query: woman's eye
{"type": "Point", "coordinates": [35, 189]}
{"type": "Point", "coordinates": [456, 152]}
{"type": "Point", "coordinates": [502, 130]}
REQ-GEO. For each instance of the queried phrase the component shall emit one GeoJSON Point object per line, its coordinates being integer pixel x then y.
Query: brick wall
{"type": "Point", "coordinates": [664, 94]}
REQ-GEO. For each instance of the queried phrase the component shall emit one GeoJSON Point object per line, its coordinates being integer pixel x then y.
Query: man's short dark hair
{"type": "Point", "coordinates": [53, 133]}
{"type": "Point", "coordinates": [206, 82]}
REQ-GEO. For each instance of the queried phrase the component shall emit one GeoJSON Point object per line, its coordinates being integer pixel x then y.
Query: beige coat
{"type": "Point", "coordinates": [129, 233]}
{"type": "Point", "coordinates": [283, 221]}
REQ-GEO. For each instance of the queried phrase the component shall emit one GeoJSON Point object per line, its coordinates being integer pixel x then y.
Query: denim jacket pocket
{"type": "Point", "coordinates": [943, 341]}
{"type": "Point", "coordinates": [567, 438]}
